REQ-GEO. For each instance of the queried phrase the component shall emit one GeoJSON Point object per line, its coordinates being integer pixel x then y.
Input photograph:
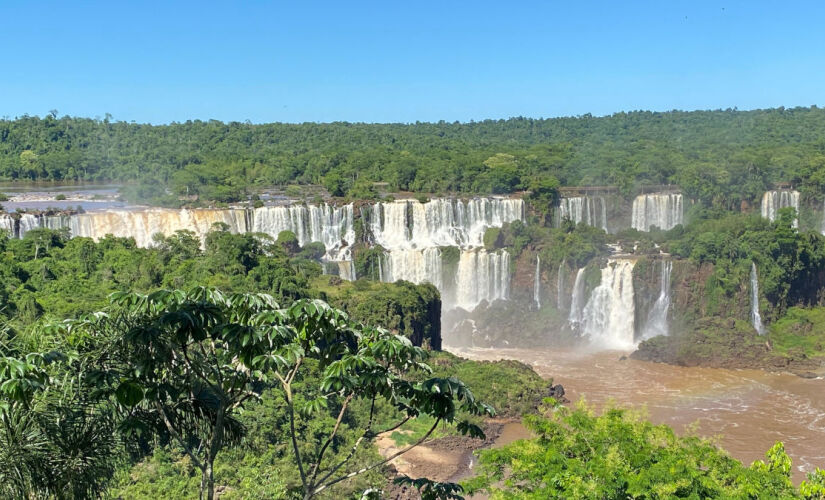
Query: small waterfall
{"type": "Point", "coordinates": [332, 226]}
{"type": "Point", "coordinates": [346, 270]}
{"type": "Point", "coordinates": [560, 285]}
{"type": "Point", "coordinates": [575, 316]}
{"type": "Point", "coordinates": [608, 317]}
{"type": "Point", "coordinates": [663, 210]}
{"type": "Point", "coordinates": [537, 283]}
{"type": "Point", "coordinates": [772, 201]}
{"type": "Point", "coordinates": [416, 266]}
{"type": "Point", "coordinates": [756, 318]}
{"type": "Point", "coordinates": [7, 224]}
{"type": "Point", "coordinates": [26, 223]}
{"type": "Point", "coordinates": [481, 276]}
{"type": "Point", "coordinates": [590, 210]}
{"type": "Point", "coordinates": [657, 321]}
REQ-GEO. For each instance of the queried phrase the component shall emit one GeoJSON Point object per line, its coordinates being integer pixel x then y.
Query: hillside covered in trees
{"type": "Point", "coordinates": [721, 157]}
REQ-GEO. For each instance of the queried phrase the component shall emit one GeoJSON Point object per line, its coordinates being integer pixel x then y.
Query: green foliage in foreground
{"type": "Point", "coordinates": [617, 455]}
{"type": "Point", "coordinates": [181, 367]}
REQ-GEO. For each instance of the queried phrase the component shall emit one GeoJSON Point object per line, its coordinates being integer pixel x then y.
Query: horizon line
{"type": "Point", "coordinates": [735, 109]}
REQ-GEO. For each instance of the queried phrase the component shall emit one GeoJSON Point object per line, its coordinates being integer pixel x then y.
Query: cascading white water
{"type": "Point", "coordinates": [756, 318]}
{"type": "Point", "coordinates": [332, 226]}
{"type": "Point", "coordinates": [663, 210]}
{"type": "Point", "coordinates": [560, 285]}
{"type": "Point", "coordinates": [592, 210]}
{"type": "Point", "coordinates": [608, 317]}
{"type": "Point", "coordinates": [772, 201]}
{"type": "Point", "coordinates": [657, 320]}
{"type": "Point", "coordinates": [416, 266]}
{"type": "Point", "coordinates": [481, 276]}
{"type": "Point", "coordinates": [440, 222]}
{"type": "Point", "coordinates": [537, 283]}
{"type": "Point", "coordinates": [141, 225]}
{"type": "Point", "coordinates": [7, 224]}
{"type": "Point", "coordinates": [412, 233]}
{"type": "Point", "coordinates": [576, 314]}
{"type": "Point", "coordinates": [27, 222]}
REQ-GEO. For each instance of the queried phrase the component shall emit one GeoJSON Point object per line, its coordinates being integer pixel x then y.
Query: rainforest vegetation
{"type": "Point", "coordinates": [722, 157]}
{"type": "Point", "coordinates": [235, 367]}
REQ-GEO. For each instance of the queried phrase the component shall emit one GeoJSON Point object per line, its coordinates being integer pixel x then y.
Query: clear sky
{"type": "Point", "coordinates": [390, 61]}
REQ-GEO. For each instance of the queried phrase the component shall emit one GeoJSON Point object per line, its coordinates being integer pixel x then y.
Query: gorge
{"type": "Point", "coordinates": [443, 241]}
{"type": "Point", "coordinates": [591, 297]}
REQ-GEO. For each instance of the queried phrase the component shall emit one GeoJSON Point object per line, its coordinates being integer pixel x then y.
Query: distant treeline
{"type": "Point", "coordinates": [722, 157]}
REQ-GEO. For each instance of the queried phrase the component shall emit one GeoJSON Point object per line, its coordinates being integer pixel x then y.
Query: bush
{"type": "Point", "coordinates": [618, 455]}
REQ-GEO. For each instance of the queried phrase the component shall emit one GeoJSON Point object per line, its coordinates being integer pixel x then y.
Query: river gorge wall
{"type": "Point", "coordinates": [489, 296]}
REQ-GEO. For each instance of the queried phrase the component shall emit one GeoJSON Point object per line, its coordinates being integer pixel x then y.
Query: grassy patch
{"type": "Point", "coordinates": [800, 331]}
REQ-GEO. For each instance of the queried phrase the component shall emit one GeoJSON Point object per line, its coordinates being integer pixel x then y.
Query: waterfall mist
{"type": "Point", "coordinates": [657, 318]}
{"type": "Point", "coordinates": [608, 318]}
{"type": "Point", "coordinates": [576, 315]}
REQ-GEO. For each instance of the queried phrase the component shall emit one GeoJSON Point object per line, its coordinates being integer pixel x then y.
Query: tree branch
{"type": "Point", "coordinates": [317, 465]}
{"type": "Point", "coordinates": [288, 391]}
{"type": "Point", "coordinates": [378, 464]}
{"type": "Point", "coordinates": [177, 436]}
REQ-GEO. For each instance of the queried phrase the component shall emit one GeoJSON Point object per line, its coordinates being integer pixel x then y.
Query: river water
{"type": "Point", "coordinates": [43, 196]}
{"type": "Point", "coordinates": [746, 410]}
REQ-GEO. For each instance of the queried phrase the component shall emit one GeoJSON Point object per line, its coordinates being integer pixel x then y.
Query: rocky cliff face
{"type": "Point", "coordinates": [692, 299]}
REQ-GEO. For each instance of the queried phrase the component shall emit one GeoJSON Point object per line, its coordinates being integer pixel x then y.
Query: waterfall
{"type": "Point", "coordinates": [332, 226]}
{"type": "Point", "coordinates": [537, 283]}
{"type": "Point", "coordinates": [577, 301]}
{"type": "Point", "coordinates": [772, 201]}
{"type": "Point", "coordinates": [560, 286]}
{"type": "Point", "coordinates": [141, 225]}
{"type": "Point", "coordinates": [346, 270]}
{"type": "Point", "coordinates": [411, 232]}
{"type": "Point", "coordinates": [657, 321]}
{"type": "Point", "coordinates": [416, 266]}
{"type": "Point", "coordinates": [608, 317]}
{"type": "Point", "coordinates": [7, 224]}
{"type": "Point", "coordinates": [481, 276]}
{"type": "Point", "coordinates": [663, 210]}
{"type": "Point", "coordinates": [26, 223]}
{"type": "Point", "coordinates": [590, 210]}
{"type": "Point", "coordinates": [756, 318]}
{"type": "Point", "coordinates": [440, 222]}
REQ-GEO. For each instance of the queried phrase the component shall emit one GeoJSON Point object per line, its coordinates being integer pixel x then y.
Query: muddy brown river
{"type": "Point", "coordinates": [747, 410]}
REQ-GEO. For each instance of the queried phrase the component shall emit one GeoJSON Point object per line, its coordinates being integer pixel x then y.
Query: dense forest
{"type": "Point", "coordinates": [233, 366]}
{"type": "Point", "coordinates": [722, 157]}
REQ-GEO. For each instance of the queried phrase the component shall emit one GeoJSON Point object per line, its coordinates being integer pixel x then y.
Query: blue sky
{"type": "Point", "coordinates": [405, 61]}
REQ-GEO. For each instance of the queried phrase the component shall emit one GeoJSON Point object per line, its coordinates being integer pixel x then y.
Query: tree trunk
{"type": "Point", "coordinates": [210, 482]}
{"type": "Point", "coordinates": [204, 483]}
{"type": "Point", "coordinates": [214, 448]}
